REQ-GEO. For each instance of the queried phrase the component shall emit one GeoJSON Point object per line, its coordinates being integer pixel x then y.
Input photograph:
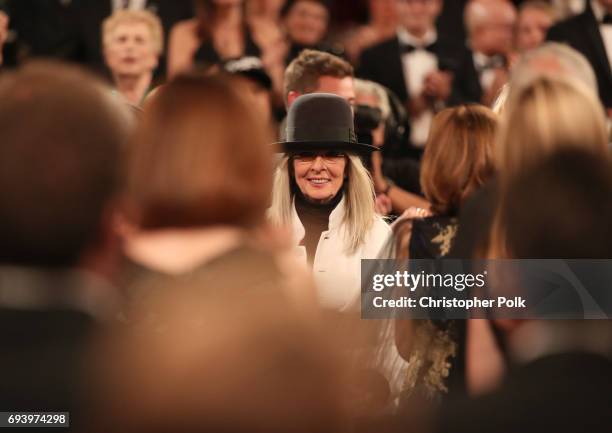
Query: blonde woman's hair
{"type": "Point", "coordinates": [359, 201]}
{"type": "Point", "coordinates": [135, 16]}
{"type": "Point", "coordinates": [545, 115]}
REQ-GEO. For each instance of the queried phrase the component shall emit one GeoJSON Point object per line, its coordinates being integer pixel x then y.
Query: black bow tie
{"type": "Point", "coordinates": [607, 19]}
{"type": "Point", "coordinates": [492, 63]}
{"type": "Point", "coordinates": [407, 48]}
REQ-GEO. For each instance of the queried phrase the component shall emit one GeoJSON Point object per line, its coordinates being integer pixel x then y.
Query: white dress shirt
{"type": "Point", "coordinates": [604, 29]}
{"type": "Point", "coordinates": [416, 66]}
{"type": "Point", "coordinates": [486, 74]}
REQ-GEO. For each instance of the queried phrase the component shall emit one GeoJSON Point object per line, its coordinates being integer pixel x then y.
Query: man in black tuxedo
{"type": "Point", "coordinates": [560, 371]}
{"type": "Point", "coordinates": [591, 33]}
{"type": "Point", "coordinates": [60, 139]}
{"type": "Point", "coordinates": [415, 64]}
{"type": "Point", "coordinates": [483, 65]}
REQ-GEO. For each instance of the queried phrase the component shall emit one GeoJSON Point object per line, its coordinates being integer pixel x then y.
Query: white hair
{"type": "Point", "coordinates": [564, 61]}
{"type": "Point", "coordinates": [359, 201]}
{"type": "Point", "coordinates": [478, 12]}
{"type": "Point", "coordinates": [376, 90]}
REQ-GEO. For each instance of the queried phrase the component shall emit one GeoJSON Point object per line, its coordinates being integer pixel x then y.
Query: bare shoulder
{"type": "Point", "coordinates": [185, 29]}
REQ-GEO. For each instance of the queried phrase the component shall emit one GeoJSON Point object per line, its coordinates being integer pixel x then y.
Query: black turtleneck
{"type": "Point", "coordinates": [315, 219]}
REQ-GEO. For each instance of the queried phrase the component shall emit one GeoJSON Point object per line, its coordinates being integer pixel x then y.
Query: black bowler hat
{"type": "Point", "coordinates": [321, 122]}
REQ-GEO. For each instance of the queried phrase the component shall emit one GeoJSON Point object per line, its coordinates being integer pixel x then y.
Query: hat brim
{"type": "Point", "coordinates": [311, 146]}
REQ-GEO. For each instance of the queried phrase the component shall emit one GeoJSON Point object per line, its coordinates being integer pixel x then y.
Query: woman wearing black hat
{"type": "Point", "coordinates": [324, 193]}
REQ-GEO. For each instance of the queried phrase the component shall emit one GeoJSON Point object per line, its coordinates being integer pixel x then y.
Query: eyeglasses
{"type": "Point", "coordinates": [330, 157]}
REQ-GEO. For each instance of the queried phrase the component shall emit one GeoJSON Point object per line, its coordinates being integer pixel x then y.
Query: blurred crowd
{"type": "Point", "coordinates": [187, 190]}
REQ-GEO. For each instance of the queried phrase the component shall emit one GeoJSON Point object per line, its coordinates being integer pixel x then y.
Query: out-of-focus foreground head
{"type": "Point", "coordinates": [200, 157]}
{"type": "Point", "coordinates": [556, 60]}
{"type": "Point", "coordinates": [60, 139]}
{"type": "Point", "coordinates": [219, 360]}
{"type": "Point", "coordinates": [568, 198]}
{"type": "Point", "coordinates": [551, 59]}
{"type": "Point", "coordinates": [545, 114]}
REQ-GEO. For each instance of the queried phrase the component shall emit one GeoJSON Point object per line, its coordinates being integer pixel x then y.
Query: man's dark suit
{"type": "Point", "coordinates": [582, 33]}
{"type": "Point", "coordinates": [560, 393]}
{"type": "Point", "coordinates": [382, 63]}
{"type": "Point", "coordinates": [45, 331]}
{"type": "Point", "coordinates": [466, 85]}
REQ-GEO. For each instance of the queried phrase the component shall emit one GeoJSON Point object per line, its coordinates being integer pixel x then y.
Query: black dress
{"type": "Point", "coordinates": [207, 55]}
{"type": "Point", "coordinates": [432, 238]}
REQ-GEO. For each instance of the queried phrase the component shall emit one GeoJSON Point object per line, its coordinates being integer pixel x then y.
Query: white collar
{"type": "Point", "coordinates": [335, 219]}
{"type": "Point", "coordinates": [481, 59]}
{"type": "Point", "coordinates": [408, 39]}
{"type": "Point", "coordinates": [598, 11]}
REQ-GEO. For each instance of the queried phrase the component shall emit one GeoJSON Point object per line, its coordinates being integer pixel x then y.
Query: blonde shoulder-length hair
{"type": "Point", "coordinates": [547, 114]}
{"type": "Point", "coordinates": [543, 116]}
{"type": "Point", "coordinates": [359, 212]}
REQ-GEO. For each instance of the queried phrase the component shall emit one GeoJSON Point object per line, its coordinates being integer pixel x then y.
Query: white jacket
{"type": "Point", "coordinates": [336, 273]}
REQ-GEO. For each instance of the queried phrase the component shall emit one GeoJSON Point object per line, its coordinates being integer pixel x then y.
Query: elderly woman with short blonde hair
{"type": "Point", "coordinates": [132, 44]}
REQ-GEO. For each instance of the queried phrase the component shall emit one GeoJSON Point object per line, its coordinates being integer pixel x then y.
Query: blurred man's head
{"type": "Point", "coordinates": [534, 20]}
{"type": "Point", "coordinates": [490, 26]}
{"type": "Point", "coordinates": [306, 21]}
{"type": "Point", "coordinates": [418, 16]}
{"type": "Point", "coordinates": [60, 137]}
{"type": "Point", "coordinates": [315, 71]}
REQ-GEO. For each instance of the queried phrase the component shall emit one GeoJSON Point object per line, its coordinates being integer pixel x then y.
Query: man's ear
{"type": "Point", "coordinates": [292, 96]}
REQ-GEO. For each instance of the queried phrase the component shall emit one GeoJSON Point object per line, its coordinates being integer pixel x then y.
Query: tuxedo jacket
{"type": "Point", "coordinates": [582, 33]}
{"type": "Point", "coordinates": [466, 84]}
{"type": "Point", "coordinates": [382, 63]}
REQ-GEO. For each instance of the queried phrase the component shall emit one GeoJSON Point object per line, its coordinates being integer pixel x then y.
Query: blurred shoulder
{"type": "Point", "coordinates": [185, 28]}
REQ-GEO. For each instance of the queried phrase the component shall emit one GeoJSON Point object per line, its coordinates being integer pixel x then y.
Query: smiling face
{"type": "Point", "coordinates": [319, 176]}
{"type": "Point", "coordinates": [307, 22]}
{"type": "Point", "coordinates": [130, 49]}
